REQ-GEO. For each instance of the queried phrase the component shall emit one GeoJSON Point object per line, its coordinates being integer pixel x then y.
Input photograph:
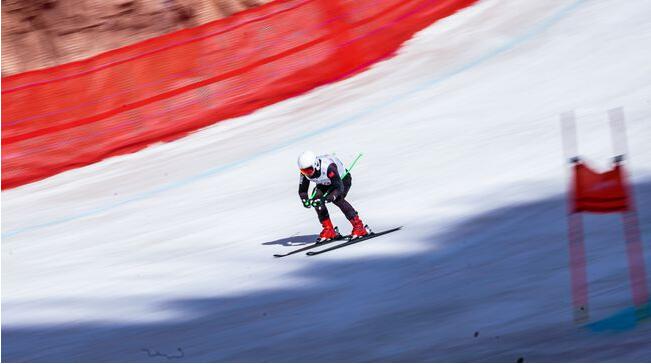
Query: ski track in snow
{"type": "Point", "coordinates": [167, 253]}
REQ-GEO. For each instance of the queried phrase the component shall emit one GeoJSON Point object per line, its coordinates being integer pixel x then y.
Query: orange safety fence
{"type": "Point", "coordinates": [121, 101]}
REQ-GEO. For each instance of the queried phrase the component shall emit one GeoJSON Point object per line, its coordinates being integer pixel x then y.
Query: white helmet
{"type": "Point", "coordinates": [307, 162]}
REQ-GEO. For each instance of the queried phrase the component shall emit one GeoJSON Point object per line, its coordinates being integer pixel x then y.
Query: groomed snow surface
{"type": "Point", "coordinates": [166, 254]}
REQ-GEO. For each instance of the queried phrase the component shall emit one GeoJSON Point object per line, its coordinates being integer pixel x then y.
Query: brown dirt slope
{"type": "Point", "coordinates": [44, 33]}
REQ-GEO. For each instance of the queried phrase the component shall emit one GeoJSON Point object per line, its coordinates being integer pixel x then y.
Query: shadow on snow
{"type": "Point", "coordinates": [296, 240]}
{"type": "Point", "coordinates": [492, 288]}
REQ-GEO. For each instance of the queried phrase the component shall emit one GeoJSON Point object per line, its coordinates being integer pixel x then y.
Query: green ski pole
{"type": "Point", "coordinates": [342, 177]}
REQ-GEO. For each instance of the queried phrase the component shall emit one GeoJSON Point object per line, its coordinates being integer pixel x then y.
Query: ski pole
{"type": "Point", "coordinates": [342, 177]}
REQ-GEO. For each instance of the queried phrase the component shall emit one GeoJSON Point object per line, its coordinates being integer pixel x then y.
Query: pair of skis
{"type": "Point", "coordinates": [347, 240]}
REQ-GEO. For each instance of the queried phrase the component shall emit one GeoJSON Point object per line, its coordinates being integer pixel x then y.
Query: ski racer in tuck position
{"type": "Point", "coordinates": [326, 171]}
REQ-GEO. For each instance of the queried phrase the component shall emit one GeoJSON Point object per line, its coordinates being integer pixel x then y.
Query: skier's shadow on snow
{"type": "Point", "coordinates": [296, 240]}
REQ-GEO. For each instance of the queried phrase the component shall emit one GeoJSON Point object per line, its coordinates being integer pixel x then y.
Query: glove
{"type": "Point", "coordinates": [306, 203]}
{"type": "Point", "coordinates": [318, 202]}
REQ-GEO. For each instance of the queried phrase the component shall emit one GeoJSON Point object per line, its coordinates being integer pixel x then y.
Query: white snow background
{"type": "Point", "coordinates": [169, 251]}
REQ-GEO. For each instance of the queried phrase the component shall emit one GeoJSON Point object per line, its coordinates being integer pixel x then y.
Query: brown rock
{"type": "Point", "coordinates": [43, 33]}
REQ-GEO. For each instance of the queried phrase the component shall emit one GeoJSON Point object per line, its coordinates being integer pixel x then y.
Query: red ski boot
{"type": "Point", "coordinates": [358, 228]}
{"type": "Point", "coordinates": [328, 231]}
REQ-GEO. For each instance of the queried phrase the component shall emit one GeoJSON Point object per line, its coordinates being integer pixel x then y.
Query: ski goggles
{"type": "Point", "coordinates": [307, 171]}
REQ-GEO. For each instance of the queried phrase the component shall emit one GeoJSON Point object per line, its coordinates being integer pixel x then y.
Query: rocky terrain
{"type": "Point", "coordinates": [44, 33]}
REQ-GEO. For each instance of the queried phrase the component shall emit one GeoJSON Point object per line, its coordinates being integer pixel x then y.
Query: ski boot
{"type": "Point", "coordinates": [328, 232]}
{"type": "Point", "coordinates": [359, 229]}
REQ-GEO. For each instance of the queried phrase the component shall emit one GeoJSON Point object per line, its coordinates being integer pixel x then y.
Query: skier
{"type": "Point", "coordinates": [326, 171]}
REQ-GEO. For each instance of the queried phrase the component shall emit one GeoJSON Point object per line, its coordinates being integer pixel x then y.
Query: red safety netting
{"type": "Point", "coordinates": [599, 192]}
{"type": "Point", "coordinates": [161, 89]}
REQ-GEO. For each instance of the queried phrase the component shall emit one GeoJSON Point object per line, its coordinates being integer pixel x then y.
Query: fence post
{"type": "Point", "coordinates": [634, 248]}
{"type": "Point", "coordinates": [578, 266]}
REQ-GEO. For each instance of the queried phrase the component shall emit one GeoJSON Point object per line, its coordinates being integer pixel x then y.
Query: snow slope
{"type": "Point", "coordinates": [169, 251]}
